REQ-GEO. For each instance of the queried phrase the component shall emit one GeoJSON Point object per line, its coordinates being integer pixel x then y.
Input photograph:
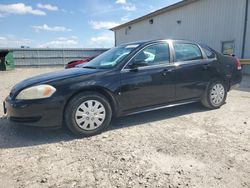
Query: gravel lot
{"type": "Point", "coordinates": [185, 146]}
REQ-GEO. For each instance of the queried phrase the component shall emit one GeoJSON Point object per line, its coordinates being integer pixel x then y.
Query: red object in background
{"type": "Point", "coordinates": [238, 64]}
{"type": "Point", "coordinates": [72, 64]}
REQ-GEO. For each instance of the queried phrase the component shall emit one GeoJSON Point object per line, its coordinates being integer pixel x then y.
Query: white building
{"type": "Point", "coordinates": [222, 24]}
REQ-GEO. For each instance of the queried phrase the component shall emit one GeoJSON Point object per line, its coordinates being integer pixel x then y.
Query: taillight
{"type": "Point", "coordinates": [238, 64]}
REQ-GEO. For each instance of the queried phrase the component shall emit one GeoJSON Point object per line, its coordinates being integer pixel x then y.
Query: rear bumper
{"type": "Point", "coordinates": [235, 80]}
{"type": "Point", "coordinates": [235, 86]}
{"type": "Point", "coordinates": [38, 113]}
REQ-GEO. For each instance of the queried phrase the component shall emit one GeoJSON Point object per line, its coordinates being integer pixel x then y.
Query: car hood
{"type": "Point", "coordinates": [53, 76]}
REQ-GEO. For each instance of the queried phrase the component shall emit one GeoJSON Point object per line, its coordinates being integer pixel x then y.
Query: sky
{"type": "Point", "coordinates": [68, 23]}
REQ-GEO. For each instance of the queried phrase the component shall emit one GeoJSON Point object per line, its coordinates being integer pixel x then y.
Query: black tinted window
{"type": "Point", "coordinates": [209, 53]}
{"type": "Point", "coordinates": [153, 55]}
{"type": "Point", "coordinates": [187, 52]}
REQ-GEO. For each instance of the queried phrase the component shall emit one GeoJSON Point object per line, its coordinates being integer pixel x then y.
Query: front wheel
{"type": "Point", "coordinates": [215, 95]}
{"type": "Point", "coordinates": [88, 114]}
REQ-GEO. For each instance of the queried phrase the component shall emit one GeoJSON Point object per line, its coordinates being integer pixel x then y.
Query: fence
{"type": "Point", "coordinates": [49, 56]}
{"type": "Point", "coordinates": [246, 66]}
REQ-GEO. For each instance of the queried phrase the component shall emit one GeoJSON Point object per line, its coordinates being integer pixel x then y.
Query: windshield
{"type": "Point", "coordinates": [111, 58]}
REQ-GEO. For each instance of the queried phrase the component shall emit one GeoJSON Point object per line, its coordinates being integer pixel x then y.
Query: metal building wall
{"type": "Point", "coordinates": [41, 57]}
{"type": "Point", "coordinates": [247, 44]}
{"type": "Point", "coordinates": [206, 21]}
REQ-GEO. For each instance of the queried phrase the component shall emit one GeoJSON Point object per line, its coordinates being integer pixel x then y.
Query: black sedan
{"type": "Point", "coordinates": [127, 79]}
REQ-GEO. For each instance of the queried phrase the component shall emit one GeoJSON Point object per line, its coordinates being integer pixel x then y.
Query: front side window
{"type": "Point", "coordinates": [187, 52]}
{"type": "Point", "coordinates": [153, 55]}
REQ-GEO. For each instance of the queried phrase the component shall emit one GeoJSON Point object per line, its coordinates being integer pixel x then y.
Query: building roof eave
{"type": "Point", "coordinates": [155, 13]}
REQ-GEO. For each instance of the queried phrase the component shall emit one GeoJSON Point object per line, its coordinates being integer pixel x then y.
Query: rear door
{"type": "Point", "coordinates": [152, 83]}
{"type": "Point", "coordinates": [193, 72]}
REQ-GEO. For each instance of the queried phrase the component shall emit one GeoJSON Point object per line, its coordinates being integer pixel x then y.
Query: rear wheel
{"type": "Point", "coordinates": [215, 95]}
{"type": "Point", "coordinates": [88, 114]}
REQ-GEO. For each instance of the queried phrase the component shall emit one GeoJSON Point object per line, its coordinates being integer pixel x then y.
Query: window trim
{"type": "Point", "coordinates": [201, 51]}
{"type": "Point", "coordinates": [124, 69]}
{"type": "Point", "coordinates": [150, 67]}
{"type": "Point", "coordinates": [204, 47]}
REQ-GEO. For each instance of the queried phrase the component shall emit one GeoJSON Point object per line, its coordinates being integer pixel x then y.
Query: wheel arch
{"type": "Point", "coordinates": [97, 89]}
{"type": "Point", "coordinates": [204, 99]}
{"type": "Point", "coordinates": [220, 78]}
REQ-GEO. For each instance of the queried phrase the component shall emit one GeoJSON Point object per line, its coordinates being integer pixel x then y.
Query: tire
{"type": "Point", "coordinates": [88, 114]}
{"type": "Point", "coordinates": [215, 95]}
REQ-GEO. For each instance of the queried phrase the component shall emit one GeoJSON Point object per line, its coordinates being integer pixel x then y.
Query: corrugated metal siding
{"type": "Point", "coordinates": [40, 57]}
{"type": "Point", "coordinates": [205, 21]}
{"type": "Point", "coordinates": [247, 47]}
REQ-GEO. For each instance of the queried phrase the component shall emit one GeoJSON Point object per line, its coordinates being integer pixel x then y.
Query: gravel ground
{"type": "Point", "coordinates": [185, 146]}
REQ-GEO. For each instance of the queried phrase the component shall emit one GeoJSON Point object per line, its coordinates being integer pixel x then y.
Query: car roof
{"type": "Point", "coordinates": [145, 42]}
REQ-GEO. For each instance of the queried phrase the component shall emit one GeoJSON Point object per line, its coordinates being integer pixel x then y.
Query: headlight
{"type": "Point", "coordinates": [36, 92]}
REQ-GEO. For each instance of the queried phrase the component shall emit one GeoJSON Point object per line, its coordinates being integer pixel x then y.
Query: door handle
{"type": "Point", "coordinates": [165, 72]}
{"type": "Point", "coordinates": [206, 66]}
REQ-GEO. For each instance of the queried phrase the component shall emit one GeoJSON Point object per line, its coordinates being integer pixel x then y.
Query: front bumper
{"type": "Point", "coordinates": [39, 113]}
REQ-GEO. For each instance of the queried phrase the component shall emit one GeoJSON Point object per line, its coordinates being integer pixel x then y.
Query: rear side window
{"type": "Point", "coordinates": [187, 52]}
{"type": "Point", "coordinates": [209, 53]}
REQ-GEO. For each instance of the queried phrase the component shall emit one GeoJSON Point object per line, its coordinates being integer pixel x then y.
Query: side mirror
{"type": "Point", "coordinates": [137, 63]}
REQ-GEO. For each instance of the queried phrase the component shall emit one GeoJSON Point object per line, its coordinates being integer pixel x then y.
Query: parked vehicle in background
{"type": "Point", "coordinates": [72, 64]}
{"type": "Point", "coordinates": [6, 60]}
{"type": "Point", "coordinates": [128, 79]}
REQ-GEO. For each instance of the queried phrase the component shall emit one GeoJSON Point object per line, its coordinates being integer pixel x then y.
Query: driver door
{"type": "Point", "coordinates": [148, 79]}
